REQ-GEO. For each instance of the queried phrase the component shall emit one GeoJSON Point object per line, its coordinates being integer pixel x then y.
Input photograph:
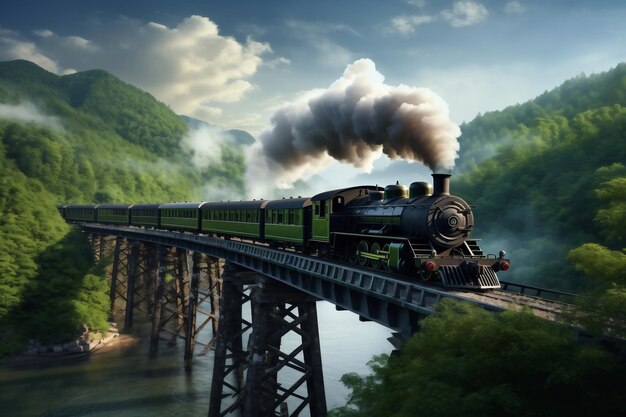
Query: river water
{"type": "Point", "coordinates": [124, 382]}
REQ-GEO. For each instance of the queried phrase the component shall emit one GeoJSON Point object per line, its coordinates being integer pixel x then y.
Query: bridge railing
{"type": "Point", "coordinates": [548, 294]}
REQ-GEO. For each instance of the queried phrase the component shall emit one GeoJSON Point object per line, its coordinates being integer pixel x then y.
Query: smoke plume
{"type": "Point", "coordinates": [355, 120]}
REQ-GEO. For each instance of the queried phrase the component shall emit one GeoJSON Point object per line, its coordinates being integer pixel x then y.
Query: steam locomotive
{"type": "Point", "coordinates": [421, 231]}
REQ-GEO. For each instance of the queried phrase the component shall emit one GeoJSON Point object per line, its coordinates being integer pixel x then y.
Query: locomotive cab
{"type": "Point", "coordinates": [329, 212]}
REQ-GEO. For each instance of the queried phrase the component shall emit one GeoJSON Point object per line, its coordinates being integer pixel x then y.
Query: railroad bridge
{"type": "Point", "coordinates": [173, 275]}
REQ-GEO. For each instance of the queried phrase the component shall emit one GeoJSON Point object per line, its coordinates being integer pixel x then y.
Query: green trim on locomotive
{"type": "Point", "coordinates": [113, 213]}
{"type": "Point", "coordinates": [328, 210]}
{"type": "Point", "coordinates": [321, 221]}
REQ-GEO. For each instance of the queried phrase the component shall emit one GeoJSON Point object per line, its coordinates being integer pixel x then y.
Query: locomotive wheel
{"type": "Point", "coordinates": [363, 247]}
{"type": "Point", "coordinates": [385, 264]}
{"type": "Point", "coordinates": [375, 248]}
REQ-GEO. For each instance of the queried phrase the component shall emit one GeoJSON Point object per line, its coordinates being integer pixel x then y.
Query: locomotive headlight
{"type": "Point", "coordinates": [430, 266]}
{"type": "Point", "coordinates": [504, 266]}
{"type": "Point", "coordinates": [501, 254]}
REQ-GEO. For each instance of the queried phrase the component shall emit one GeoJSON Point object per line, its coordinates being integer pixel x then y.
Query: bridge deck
{"type": "Point", "coordinates": [390, 300]}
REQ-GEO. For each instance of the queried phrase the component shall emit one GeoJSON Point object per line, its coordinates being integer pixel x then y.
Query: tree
{"type": "Point", "coordinates": [469, 362]}
{"type": "Point", "coordinates": [605, 268]}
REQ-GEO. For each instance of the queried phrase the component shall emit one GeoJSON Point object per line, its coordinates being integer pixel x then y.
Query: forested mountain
{"type": "Point", "coordinates": [86, 137]}
{"type": "Point", "coordinates": [540, 165]}
{"type": "Point", "coordinates": [549, 183]}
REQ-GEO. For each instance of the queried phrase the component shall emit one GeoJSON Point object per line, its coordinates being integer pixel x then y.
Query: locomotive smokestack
{"type": "Point", "coordinates": [441, 184]}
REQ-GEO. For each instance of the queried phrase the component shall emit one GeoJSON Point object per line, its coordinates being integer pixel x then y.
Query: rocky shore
{"type": "Point", "coordinates": [87, 342]}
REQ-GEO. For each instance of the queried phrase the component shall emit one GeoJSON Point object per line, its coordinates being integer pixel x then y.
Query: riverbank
{"type": "Point", "coordinates": [87, 345]}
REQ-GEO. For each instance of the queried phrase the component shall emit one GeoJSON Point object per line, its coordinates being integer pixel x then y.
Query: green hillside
{"type": "Point", "coordinates": [86, 137]}
{"type": "Point", "coordinates": [535, 189]}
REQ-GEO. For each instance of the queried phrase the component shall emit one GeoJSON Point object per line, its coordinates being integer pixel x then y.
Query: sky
{"type": "Point", "coordinates": [235, 63]}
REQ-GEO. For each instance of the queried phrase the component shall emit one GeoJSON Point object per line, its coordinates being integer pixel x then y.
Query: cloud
{"type": "Point", "coordinates": [13, 46]}
{"type": "Point", "coordinates": [28, 112]}
{"type": "Point", "coordinates": [406, 24]}
{"type": "Point", "coordinates": [280, 61]}
{"type": "Point", "coordinates": [190, 66]}
{"type": "Point", "coordinates": [465, 13]}
{"type": "Point", "coordinates": [417, 3]}
{"type": "Point", "coordinates": [514, 7]}
{"type": "Point", "coordinates": [317, 35]}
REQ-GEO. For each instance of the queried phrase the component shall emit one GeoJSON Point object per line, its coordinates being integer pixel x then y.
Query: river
{"type": "Point", "coordinates": [124, 382]}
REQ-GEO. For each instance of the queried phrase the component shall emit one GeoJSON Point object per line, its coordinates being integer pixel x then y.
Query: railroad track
{"type": "Point", "coordinates": [541, 307]}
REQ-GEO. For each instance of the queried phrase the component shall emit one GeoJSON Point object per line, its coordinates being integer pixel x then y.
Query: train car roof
{"type": "Point", "coordinates": [289, 203]}
{"type": "Point", "coordinates": [112, 206]}
{"type": "Point", "coordinates": [80, 206]}
{"type": "Point", "coordinates": [193, 205]}
{"type": "Point", "coordinates": [235, 205]}
{"type": "Point", "coordinates": [352, 191]}
{"type": "Point", "coordinates": [144, 206]}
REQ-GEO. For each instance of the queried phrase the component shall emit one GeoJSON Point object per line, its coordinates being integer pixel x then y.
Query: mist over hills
{"type": "Point", "coordinates": [86, 137]}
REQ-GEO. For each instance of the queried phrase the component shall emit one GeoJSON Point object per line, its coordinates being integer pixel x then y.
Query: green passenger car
{"type": "Point", "coordinates": [144, 215]}
{"type": "Point", "coordinates": [234, 218]}
{"type": "Point", "coordinates": [288, 220]}
{"type": "Point", "coordinates": [113, 213]}
{"type": "Point", "coordinates": [80, 212]}
{"type": "Point", "coordinates": [181, 216]}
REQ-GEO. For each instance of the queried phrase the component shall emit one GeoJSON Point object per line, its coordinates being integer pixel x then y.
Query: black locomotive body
{"type": "Point", "coordinates": [418, 232]}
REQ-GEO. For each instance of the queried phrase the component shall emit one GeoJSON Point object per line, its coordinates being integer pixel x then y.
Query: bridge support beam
{"type": "Point", "coordinates": [133, 260]}
{"type": "Point", "coordinates": [158, 300]}
{"type": "Point", "coordinates": [192, 306]}
{"type": "Point", "coordinates": [230, 357]}
{"type": "Point", "coordinates": [114, 274]}
{"type": "Point", "coordinates": [277, 310]}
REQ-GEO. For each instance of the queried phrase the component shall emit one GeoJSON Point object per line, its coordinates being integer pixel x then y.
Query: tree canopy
{"type": "Point", "coordinates": [469, 362]}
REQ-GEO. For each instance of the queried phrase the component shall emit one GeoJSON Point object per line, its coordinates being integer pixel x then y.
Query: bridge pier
{"type": "Point", "coordinates": [133, 260]}
{"type": "Point", "coordinates": [230, 357]}
{"type": "Point", "coordinates": [168, 284]}
{"type": "Point", "coordinates": [158, 300]}
{"type": "Point", "coordinates": [277, 310]}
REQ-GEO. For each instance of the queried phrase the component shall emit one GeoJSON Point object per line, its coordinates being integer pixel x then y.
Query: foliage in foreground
{"type": "Point", "coordinates": [605, 266]}
{"type": "Point", "coordinates": [469, 362]}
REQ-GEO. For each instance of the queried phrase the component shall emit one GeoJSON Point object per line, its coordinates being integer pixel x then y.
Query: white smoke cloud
{"type": "Point", "coordinates": [190, 66]}
{"type": "Point", "coordinates": [355, 121]}
{"type": "Point", "coordinates": [28, 112]}
{"type": "Point", "coordinates": [465, 13]}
